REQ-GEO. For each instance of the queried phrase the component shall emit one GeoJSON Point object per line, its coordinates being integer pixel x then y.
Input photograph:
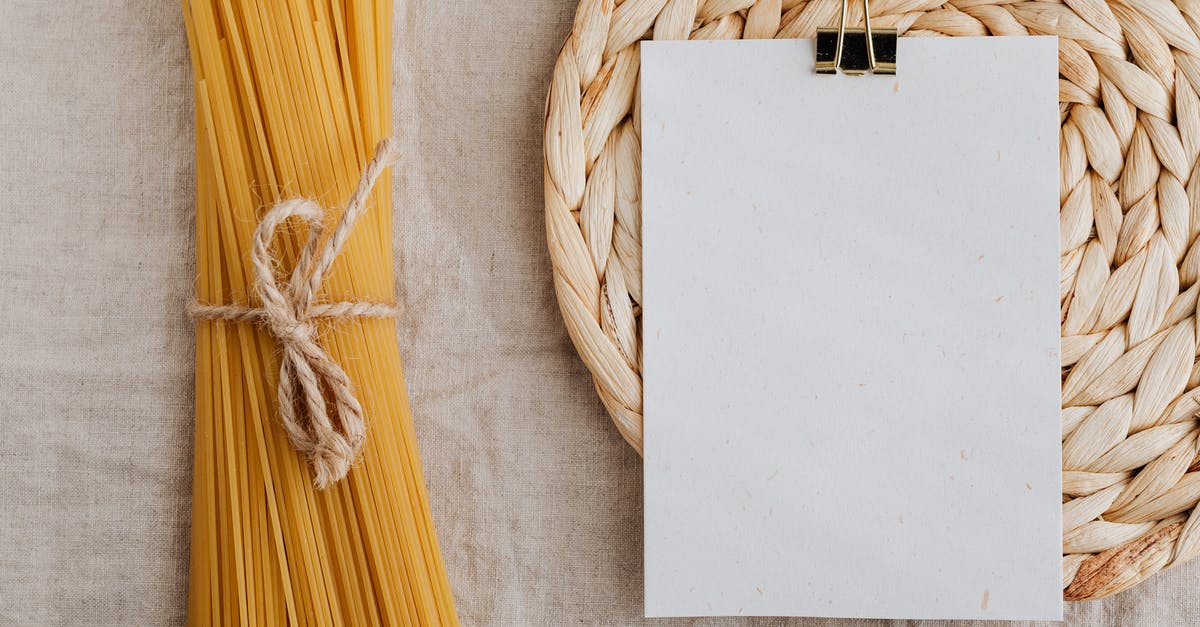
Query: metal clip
{"type": "Point", "coordinates": [856, 50]}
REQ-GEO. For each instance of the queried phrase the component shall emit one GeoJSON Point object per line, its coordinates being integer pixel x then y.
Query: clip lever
{"type": "Point", "coordinates": [856, 50]}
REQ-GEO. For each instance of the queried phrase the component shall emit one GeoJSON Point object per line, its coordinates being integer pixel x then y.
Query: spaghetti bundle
{"type": "Point", "coordinates": [291, 99]}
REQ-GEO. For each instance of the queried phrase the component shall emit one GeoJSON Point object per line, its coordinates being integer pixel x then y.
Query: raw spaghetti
{"type": "Point", "coordinates": [291, 99]}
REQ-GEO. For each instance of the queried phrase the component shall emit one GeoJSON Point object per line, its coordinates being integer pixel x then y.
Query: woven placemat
{"type": "Point", "coordinates": [1129, 218]}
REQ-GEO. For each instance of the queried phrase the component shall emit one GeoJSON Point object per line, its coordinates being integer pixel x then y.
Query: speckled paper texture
{"type": "Point", "coordinates": [851, 334]}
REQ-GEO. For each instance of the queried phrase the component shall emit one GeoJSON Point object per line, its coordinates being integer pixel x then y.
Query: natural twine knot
{"type": "Point", "coordinates": [308, 376]}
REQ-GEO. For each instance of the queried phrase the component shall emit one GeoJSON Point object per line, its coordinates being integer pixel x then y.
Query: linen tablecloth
{"type": "Point", "coordinates": [537, 500]}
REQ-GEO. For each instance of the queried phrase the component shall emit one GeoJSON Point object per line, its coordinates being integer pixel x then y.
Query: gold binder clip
{"type": "Point", "coordinates": [856, 50]}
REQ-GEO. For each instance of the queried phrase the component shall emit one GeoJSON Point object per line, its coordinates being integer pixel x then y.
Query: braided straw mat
{"type": "Point", "coordinates": [1129, 219]}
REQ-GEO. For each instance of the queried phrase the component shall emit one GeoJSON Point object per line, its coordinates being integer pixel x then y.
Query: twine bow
{"type": "Point", "coordinates": [308, 376]}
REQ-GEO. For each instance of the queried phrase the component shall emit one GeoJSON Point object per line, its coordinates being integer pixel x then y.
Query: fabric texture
{"type": "Point", "coordinates": [536, 497]}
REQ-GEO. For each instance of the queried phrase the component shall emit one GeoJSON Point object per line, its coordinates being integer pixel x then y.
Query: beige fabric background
{"type": "Point", "coordinates": [536, 497]}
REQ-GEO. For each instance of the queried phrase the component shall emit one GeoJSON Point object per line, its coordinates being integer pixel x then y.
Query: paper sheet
{"type": "Point", "coordinates": [851, 331]}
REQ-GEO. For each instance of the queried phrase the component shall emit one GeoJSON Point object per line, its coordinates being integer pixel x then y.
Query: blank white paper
{"type": "Point", "coordinates": [851, 331]}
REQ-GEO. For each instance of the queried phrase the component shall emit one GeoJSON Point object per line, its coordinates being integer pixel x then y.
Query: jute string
{"type": "Point", "coordinates": [310, 381]}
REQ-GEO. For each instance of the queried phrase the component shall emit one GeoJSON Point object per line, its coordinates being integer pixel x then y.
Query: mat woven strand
{"type": "Point", "coordinates": [1129, 217]}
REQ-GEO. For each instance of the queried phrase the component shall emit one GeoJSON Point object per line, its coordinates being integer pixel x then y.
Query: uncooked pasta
{"type": "Point", "coordinates": [291, 100]}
